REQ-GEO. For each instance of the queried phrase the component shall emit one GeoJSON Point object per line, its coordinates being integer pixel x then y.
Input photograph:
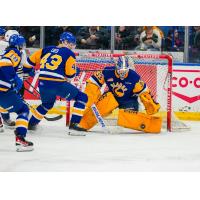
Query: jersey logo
{"type": "Point", "coordinates": [119, 89]}
{"type": "Point", "coordinates": [55, 50]}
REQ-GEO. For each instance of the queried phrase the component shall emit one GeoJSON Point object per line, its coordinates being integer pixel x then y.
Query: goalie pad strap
{"type": "Point", "coordinates": [93, 92]}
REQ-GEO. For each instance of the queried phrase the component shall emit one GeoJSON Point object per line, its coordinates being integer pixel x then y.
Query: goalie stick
{"type": "Point", "coordinates": [100, 119]}
{"type": "Point", "coordinates": [95, 109]}
{"type": "Point", "coordinates": [38, 96]}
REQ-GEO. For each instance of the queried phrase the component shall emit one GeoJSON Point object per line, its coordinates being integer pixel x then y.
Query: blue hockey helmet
{"type": "Point", "coordinates": [2, 31]}
{"type": "Point", "coordinates": [17, 41]}
{"type": "Point", "coordinates": [122, 67]}
{"type": "Point", "coordinates": [69, 37]}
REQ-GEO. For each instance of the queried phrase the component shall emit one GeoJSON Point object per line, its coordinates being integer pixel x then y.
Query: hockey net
{"type": "Point", "coordinates": [155, 70]}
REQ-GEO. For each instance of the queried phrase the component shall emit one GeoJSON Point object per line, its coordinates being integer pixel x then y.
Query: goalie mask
{"type": "Point", "coordinates": [122, 67]}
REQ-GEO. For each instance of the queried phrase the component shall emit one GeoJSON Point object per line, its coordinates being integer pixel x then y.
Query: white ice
{"type": "Point", "coordinates": [56, 151]}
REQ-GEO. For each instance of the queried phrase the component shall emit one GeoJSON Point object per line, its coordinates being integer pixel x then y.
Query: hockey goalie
{"type": "Point", "coordinates": [124, 88]}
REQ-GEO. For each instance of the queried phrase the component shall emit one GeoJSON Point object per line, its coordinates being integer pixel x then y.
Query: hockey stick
{"type": "Point", "coordinates": [95, 109]}
{"type": "Point", "coordinates": [38, 96]}
{"type": "Point", "coordinates": [99, 118]}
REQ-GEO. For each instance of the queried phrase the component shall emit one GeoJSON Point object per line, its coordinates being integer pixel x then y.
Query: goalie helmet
{"type": "Point", "coordinates": [122, 67]}
{"type": "Point", "coordinates": [9, 33]}
{"type": "Point", "coordinates": [17, 41]}
{"type": "Point", "coordinates": [68, 39]}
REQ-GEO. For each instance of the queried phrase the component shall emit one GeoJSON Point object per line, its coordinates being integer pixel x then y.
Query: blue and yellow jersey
{"type": "Point", "coordinates": [56, 63]}
{"type": "Point", "coordinates": [123, 90]}
{"type": "Point", "coordinates": [9, 63]}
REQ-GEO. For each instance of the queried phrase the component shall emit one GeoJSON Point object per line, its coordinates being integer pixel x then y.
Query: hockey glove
{"type": "Point", "coordinates": [17, 84]}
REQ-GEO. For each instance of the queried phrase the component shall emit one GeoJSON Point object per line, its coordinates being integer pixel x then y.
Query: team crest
{"type": "Point", "coordinates": [119, 89]}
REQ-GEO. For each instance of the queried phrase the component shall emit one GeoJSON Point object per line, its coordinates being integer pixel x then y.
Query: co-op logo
{"type": "Point", "coordinates": [184, 82]}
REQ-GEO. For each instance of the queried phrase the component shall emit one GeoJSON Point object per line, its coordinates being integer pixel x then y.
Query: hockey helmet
{"type": "Point", "coordinates": [9, 33]}
{"type": "Point", "coordinates": [17, 41]}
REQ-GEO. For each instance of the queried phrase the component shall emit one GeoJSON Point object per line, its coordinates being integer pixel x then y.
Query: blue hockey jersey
{"type": "Point", "coordinates": [123, 90]}
{"type": "Point", "coordinates": [56, 63]}
{"type": "Point", "coordinates": [9, 63]}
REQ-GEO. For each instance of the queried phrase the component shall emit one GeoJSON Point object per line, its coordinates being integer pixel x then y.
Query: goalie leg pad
{"type": "Point", "coordinates": [105, 105]}
{"type": "Point", "coordinates": [150, 105]}
{"type": "Point", "coordinates": [93, 92]}
{"type": "Point", "coordinates": [139, 121]}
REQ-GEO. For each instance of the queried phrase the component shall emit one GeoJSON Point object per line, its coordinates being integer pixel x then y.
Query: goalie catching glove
{"type": "Point", "coordinates": [150, 105]}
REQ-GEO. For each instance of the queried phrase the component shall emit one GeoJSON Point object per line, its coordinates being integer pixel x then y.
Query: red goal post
{"type": "Point", "coordinates": [154, 69]}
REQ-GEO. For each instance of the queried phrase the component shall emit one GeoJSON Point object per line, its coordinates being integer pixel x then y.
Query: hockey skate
{"type": "Point", "coordinates": [75, 130]}
{"type": "Point", "coordinates": [1, 128]}
{"type": "Point", "coordinates": [9, 123]}
{"type": "Point", "coordinates": [22, 145]}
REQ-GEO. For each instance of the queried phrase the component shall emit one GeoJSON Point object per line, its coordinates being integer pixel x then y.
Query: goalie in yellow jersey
{"type": "Point", "coordinates": [124, 88]}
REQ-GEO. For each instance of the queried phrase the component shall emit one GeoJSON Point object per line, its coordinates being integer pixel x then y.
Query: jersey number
{"type": "Point", "coordinates": [51, 64]}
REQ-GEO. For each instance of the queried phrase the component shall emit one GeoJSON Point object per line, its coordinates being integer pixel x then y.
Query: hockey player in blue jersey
{"type": "Point", "coordinates": [124, 88]}
{"type": "Point", "coordinates": [4, 43]}
{"type": "Point", "coordinates": [10, 85]}
{"type": "Point", "coordinates": [57, 68]}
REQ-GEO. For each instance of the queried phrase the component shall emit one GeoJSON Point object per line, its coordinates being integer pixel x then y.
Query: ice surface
{"type": "Point", "coordinates": [56, 151]}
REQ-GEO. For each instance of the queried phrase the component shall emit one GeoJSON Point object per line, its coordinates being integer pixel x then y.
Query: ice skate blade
{"type": "Point", "coordinates": [24, 149]}
{"type": "Point", "coordinates": [9, 127]}
{"type": "Point", "coordinates": [76, 133]}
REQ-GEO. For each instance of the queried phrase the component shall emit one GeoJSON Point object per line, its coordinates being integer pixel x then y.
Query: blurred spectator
{"type": "Point", "coordinates": [194, 53]}
{"type": "Point", "coordinates": [52, 33]}
{"type": "Point", "coordinates": [150, 39]}
{"type": "Point", "coordinates": [178, 42]}
{"type": "Point", "coordinates": [169, 40]}
{"type": "Point", "coordinates": [126, 37]}
{"type": "Point", "coordinates": [93, 37]}
{"type": "Point", "coordinates": [31, 34]}
{"type": "Point", "coordinates": [197, 37]}
{"type": "Point", "coordinates": [71, 29]}
{"type": "Point", "coordinates": [173, 42]}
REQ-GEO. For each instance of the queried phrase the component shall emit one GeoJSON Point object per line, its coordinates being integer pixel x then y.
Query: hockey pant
{"type": "Point", "coordinates": [49, 91]}
{"type": "Point", "coordinates": [12, 102]}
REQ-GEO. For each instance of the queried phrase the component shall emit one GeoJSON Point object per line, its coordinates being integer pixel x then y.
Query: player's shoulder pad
{"type": "Point", "coordinates": [68, 52]}
{"type": "Point", "coordinates": [14, 55]}
{"type": "Point", "coordinates": [47, 49]}
{"type": "Point", "coordinates": [14, 50]}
